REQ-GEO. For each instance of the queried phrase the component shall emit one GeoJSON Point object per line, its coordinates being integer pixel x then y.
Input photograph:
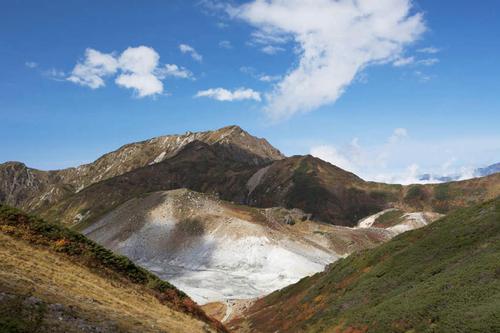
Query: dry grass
{"type": "Point", "coordinates": [56, 279]}
{"type": "Point", "coordinates": [215, 310]}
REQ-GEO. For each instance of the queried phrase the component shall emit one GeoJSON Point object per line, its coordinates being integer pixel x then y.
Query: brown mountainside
{"type": "Point", "coordinates": [33, 189]}
{"type": "Point", "coordinates": [198, 166]}
{"type": "Point", "coordinates": [236, 166]}
{"type": "Point", "coordinates": [340, 197]}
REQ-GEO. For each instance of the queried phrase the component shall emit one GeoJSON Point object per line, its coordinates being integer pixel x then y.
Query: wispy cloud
{"type": "Point", "coordinates": [31, 64]}
{"type": "Point", "coordinates": [224, 95]}
{"type": "Point", "coordinates": [269, 78]}
{"type": "Point", "coordinates": [403, 61]}
{"type": "Point", "coordinates": [429, 50]}
{"type": "Point", "coordinates": [271, 49]}
{"type": "Point", "coordinates": [428, 61]}
{"type": "Point", "coordinates": [54, 74]}
{"type": "Point", "coordinates": [337, 39]}
{"type": "Point", "coordinates": [261, 77]}
{"type": "Point", "coordinates": [184, 48]}
{"type": "Point", "coordinates": [172, 70]}
{"type": "Point", "coordinates": [225, 44]}
{"type": "Point", "coordinates": [398, 135]}
{"type": "Point", "coordinates": [422, 77]}
{"type": "Point", "coordinates": [222, 25]}
{"type": "Point", "coordinates": [137, 68]}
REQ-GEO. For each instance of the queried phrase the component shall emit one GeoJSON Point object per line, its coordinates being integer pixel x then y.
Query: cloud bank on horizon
{"type": "Point", "coordinates": [399, 159]}
{"type": "Point", "coordinates": [336, 40]}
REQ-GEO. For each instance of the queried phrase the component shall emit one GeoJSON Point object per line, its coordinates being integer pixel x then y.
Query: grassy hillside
{"type": "Point", "coordinates": [48, 271]}
{"type": "Point", "coordinates": [441, 278]}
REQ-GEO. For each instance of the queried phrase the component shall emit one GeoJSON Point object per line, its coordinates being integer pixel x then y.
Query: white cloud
{"type": "Point", "coordinates": [429, 50]}
{"type": "Point", "coordinates": [139, 60]}
{"type": "Point", "coordinates": [225, 95]}
{"type": "Point", "coordinates": [371, 162]}
{"type": "Point", "coordinates": [137, 68]}
{"type": "Point", "coordinates": [31, 64]}
{"type": "Point", "coordinates": [138, 65]}
{"type": "Point", "coordinates": [337, 39]}
{"type": "Point", "coordinates": [225, 44]}
{"type": "Point", "coordinates": [93, 69]}
{"type": "Point", "coordinates": [330, 154]}
{"type": "Point", "coordinates": [400, 62]}
{"type": "Point", "coordinates": [174, 71]}
{"type": "Point", "coordinates": [191, 51]}
{"type": "Point", "coordinates": [144, 85]}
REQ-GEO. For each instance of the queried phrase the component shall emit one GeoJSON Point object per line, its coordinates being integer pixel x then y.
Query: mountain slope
{"type": "Point", "coordinates": [339, 197]}
{"type": "Point", "coordinates": [330, 194]}
{"type": "Point", "coordinates": [315, 186]}
{"type": "Point", "coordinates": [28, 188]}
{"type": "Point", "coordinates": [32, 189]}
{"type": "Point", "coordinates": [55, 280]}
{"type": "Point", "coordinates": [441, 278]}
{"type": "Point", "coordinates": [215, 250]}
{"type": "Point", "coordinates": [198, 166]}
{"type": "Point", "coordinates": [236, 166]}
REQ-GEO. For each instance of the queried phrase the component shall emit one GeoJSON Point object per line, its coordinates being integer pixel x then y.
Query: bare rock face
{"type": "Point", "coordinates": [216, 251]}
{"type": "Point", "coordinates": [29, 188]}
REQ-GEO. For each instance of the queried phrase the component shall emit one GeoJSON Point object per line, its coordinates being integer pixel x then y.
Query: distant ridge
{"type": "Point", "coordinates": [479, 172]}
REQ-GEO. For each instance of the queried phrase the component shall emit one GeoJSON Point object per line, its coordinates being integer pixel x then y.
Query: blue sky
{"type": "Point", "coordinates": [426, 102]}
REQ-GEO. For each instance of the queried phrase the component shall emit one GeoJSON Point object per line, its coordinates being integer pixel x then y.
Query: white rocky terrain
{"type": "Point", "coordinates": [405, 222]}
{"type": "Point", "coordinates": [215, 251]}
